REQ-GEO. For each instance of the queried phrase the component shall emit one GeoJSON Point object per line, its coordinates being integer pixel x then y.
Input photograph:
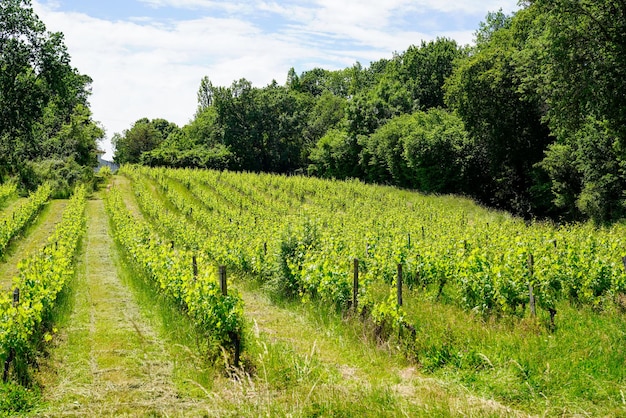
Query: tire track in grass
{"type": "Point", "coordinates": [110, 361]}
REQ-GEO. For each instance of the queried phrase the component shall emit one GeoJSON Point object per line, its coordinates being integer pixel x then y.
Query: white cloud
{"type": "Point", "coordinates": [143, 67]}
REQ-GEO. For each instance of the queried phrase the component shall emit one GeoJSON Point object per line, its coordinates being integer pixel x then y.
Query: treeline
{"type": "Point", "coordinates": [531, 118]}
{"type": "Point", "coordinates": [46, 129]}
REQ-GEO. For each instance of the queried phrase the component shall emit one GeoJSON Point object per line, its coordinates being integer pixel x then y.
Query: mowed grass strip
{"type": "Point", "coordinates": [109, 361]}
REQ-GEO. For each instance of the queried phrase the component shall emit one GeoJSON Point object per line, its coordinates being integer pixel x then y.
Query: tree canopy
{"type": "Point", "coordinates": [44, 113]}
{"type": "Point", "coordinates": [530, 118]}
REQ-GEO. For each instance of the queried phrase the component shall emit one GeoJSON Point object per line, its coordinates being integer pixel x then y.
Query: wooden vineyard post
{"type": "Point", "coordinates": [234, 337]}
{"type": "Point", "coordinates": [11, 357]}
{"type": "Point", "coordinates": [223, 284]}
{"type": "Point", "coordinates": [265, 248]}
{"type": "Point", "coordinates": [194, 264]}
{"type": "Point", "coordinates": [399, 283]}
{"type": "Point", "coordinates": [7, 365]}
{"type": "Point", "coordinates": [624, 261]}
{"type": "Point", "coordinates": [355, 285]}
{"type": "Point", "coordinates": [531, 296]}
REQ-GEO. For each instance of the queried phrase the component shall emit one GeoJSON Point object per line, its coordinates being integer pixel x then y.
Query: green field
{"type": "Point", "coordinates": [467, 338]}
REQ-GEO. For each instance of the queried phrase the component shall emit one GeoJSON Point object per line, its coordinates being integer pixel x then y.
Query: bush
{"type": "Point", "coordinates": [63, 174]}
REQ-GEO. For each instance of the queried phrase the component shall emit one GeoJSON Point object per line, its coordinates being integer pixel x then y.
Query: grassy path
{"type": "Point", "coordinates": [36, 236]}
{"type": "Point", "coordinates": [110, 361]}
{"type": "Point", "coordinates": [10, 205]}
{"type": "Point", "coordinates": [360, 363]}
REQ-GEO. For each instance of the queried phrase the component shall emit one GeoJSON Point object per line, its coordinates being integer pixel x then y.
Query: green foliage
{"type": "Point", "coordinates": [16, 399]}
{"type": "Point", "coordinates": [217, 157]}
{"type": "Point", "coordinates": [218, 318]}
{"type": "Point", "coordinates": [466, 273]}
{"type": "Point", "coordinates": [535, 95]}
{"type": "Point", "coordinates": [504, 125]}
{"type": "Point", "coordinates": [40, 93]}
{"type": "Point", "coordinates": [408, 152]}
{"type": "Point", "coordinates": [143, 136]}
{"type": "Point", "coordinates": [76, 139]}
{"type": "Point", "coordinates": [41, 277]}
{"type": "Point", "coordinates": [7, 190]}
{"type": "Point", "coordinates": [63, 174]}
{"type": "Point", "coordinates": [318, 228]}
{"type": "Point", "coordinates": [262, 127]}
{"type": "Point", "coordinates": [14, 222]}
{"type": "Point", "coordinates": [587, 172]}
{"type": "Point", "coordinates": [336, 155]}
{"type": "Point", "coordinates": [575, 60]}
{"type": "Point", "coordinates": [409, 82]}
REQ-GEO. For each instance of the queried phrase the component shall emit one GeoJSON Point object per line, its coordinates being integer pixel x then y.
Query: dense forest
{"type": "Point", "coordinates": [531, 118]}
{"type": "Point", "coordinates": [46, 128]}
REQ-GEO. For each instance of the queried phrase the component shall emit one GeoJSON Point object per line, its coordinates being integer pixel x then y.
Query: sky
{"type": "Point", "coordinates": [147, 57]}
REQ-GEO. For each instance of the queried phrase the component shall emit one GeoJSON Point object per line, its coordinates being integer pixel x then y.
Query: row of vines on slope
{"type": "Point", "coordinates": [305, 232]}
{"type": "Point", "coordinates": [41, 277]}
{"type": "Point", "coordinates": [13, 222]}
{"type": "Point", "coordinates": [218, 317]}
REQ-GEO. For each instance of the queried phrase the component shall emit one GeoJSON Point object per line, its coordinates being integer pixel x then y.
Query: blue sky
{"type": "Point", "coordinates": [147, 57]}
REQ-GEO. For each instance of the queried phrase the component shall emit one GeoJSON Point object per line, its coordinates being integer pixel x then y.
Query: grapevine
{"type": "Point", "coordinates": [41, 277]}
{"type": "Point", "coordinates": [303, 233]}
{"type": "Point", "coordinates": [13, 223]}
{"type": "Point", "coordinates": [218, 317]}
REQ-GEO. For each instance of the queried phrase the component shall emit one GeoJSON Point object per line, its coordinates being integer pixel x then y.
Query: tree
{"type": "Point", "coordinates": [36, 83]}
{"type": "Point", "coordinates": [336, 155]}
{"type": "Point", "coordinates": [428, 151]}
{"type": "Point", "coordinates": [410, 81]}
{"type": "Point", "coordinates": [205, 94]}
{"type": "Point", "coordinates": [142, 137]}
{"type": "Point", "coordinates": [77, 139]}
{"type": "Point", "coordinates": [575, 60]}
{"type": "Point", "coordinates": [425, 70]}
{"type": "Point", "coordinates": [262, 127]}
{"type": "Point", "coordinates": [327, 112]}
{"type": "Point", "coordinates": [505, 124]}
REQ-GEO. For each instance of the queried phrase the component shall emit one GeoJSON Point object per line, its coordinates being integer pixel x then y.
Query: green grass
{"type": "Point", "coordinates": [193, 375]}
{"type": "Point", "coordinates": [475, 363]}
{"type": "Point", "coordinates": [575, 369]}
{"type": "Point", "coordinates": [107, 360]}
{"type": "Point", "coordinates": [308, 359]}
{"type": "Point", "coordinates": [329, 364]}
